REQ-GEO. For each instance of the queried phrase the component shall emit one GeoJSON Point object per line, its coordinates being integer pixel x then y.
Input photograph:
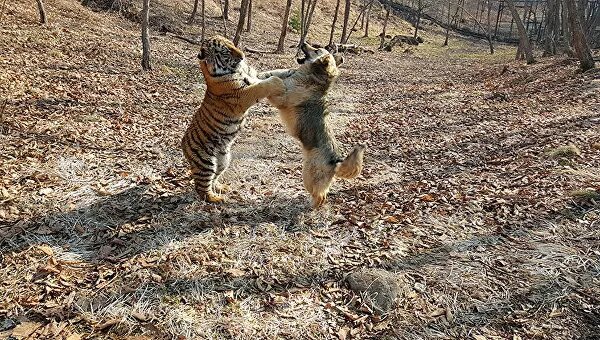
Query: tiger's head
{"type": "Point", "coordinates": [221, 56]}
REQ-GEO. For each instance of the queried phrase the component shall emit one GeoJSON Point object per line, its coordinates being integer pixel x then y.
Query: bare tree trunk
{"type": "Point", "coordinates": [368, 20]}
{"type": "Point", "coordinates": [566, 32]}
{"type": "Point", "coordinates": [361, 14]}
{"type": "Point", "coordinates": [552, 27]}
{"type": "Point", "coordinates": [498, 18]}
{"type": "Point", "coordinates": [362, 20]}
{"type": "Point", "coordinates": [284, 26]}
{"type": "Point", "coordinates": [145, 36]}
{"type": "Point", "coordinates": [310, 10]}
{"type": "Point", "coordinates": [241, 21]}
{"type": "Point", "coordinates": [524, 39]}
{"type": "Point", "coordinates": [42, 10]}
{"type": "Point", "coordinates": [478, 23]}
{"type": "Point", "coordinates": [202, 9]}
{"type": "Point", "coordinates": [489, 25]}
{"type": "Point", "coordinates": [249, 23]}
{"type": "Point", "coordinates": [194, 10]}
{"type": "Point", "coordinates": [582, 50]}
{"type": "Point", "coordinates": [418, 21]}
{"type": "Point", "coordinates": [387, 15]}
{"type": "Point", "coordinates": [346, 18]}
{"type": "Point", "coordinates": [448, 24]}
{"type": "Point", "coordinates": [454, 19]}
{"type": "Point", "coordinates": [302, 18]}
{"type": "Point", "coordinates": [335, 16]}
{"type": "Point", "coordinates": [226, 10]}
{"type": "Point", "coordinates": [224, 18]}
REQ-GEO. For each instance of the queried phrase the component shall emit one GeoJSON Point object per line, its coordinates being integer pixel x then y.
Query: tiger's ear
{"type": "Point", "coordinates": [237, 53]}
{"type": "Point", "coordinates": [202, 54]}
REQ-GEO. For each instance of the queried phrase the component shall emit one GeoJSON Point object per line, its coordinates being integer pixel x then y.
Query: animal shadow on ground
{"type": "Point", "coordinates": [137, 220]}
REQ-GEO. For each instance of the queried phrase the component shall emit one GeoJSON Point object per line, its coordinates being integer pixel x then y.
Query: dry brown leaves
{"type": "Point", "coordinates": [101, 236]}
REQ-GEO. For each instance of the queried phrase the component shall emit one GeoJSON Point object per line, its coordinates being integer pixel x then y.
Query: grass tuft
{"type": "Point", "coordinates": [566, 151]}
{"type": "Point", "coordinates": [586, 195]}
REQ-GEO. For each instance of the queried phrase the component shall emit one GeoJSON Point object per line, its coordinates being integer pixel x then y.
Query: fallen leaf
{"type": "Point", "coordinates": [157, 278]}
{"type": "Point", "coordinates": [229, 296]}
{"type": "Point", "coordinates": [438, 312]}
{"type": "Point", "coordinates": [44, 230]}
{"type": "Point", "coordinates": [25, 329]}
{"type": "Point", "coordinates": [427, 198]}
{"type": "Point", "coordinates": [74, 336]}
{"type": "Point", "coordinates": [45, 191]}
{"type": "Point", "coordinates": [235, 272]}
{"type": "Point", "coordinates": [392, 219]}
{"type": "Point", "coordinates": [139, 315]}
{"type": "Point", "coordinates": [343, 333]}
{"type": "Point", "coordinates": [105, 251]}
{"type": "Point", "coordinates": [449, 315]}
{"type": "Point", "coordinates": [107, 324]}
{"type": "Point", "coordinates": [46, 249]}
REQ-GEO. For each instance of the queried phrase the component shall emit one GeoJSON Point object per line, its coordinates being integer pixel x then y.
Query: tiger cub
{"type": "Point", "coordinates": [231, 88]}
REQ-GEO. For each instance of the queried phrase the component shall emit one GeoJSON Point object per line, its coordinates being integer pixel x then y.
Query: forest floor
{"type": "Point", "coordinates": [479, 195]}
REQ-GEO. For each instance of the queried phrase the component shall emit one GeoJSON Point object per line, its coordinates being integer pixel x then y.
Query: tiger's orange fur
{"type": "Point", "coordinates": [231, 88]}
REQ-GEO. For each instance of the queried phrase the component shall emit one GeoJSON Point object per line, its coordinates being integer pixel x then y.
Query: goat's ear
{"type": "Point", "coordinates": [339, 59]}
{"type": "Point", "coordinates": [332, 48]}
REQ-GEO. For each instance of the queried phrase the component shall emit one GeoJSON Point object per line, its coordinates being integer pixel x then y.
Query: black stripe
{"type": "Point", "coordinates": [193, 136]}
{"type": "Point", "coordinates": [202, 166]}
{"type": "Point", "coordinates": [203, 146]}
{"type": "Point", "coordinates": [203, 175]}
{"type": "Point", "coordinates": [226, 121]}
{"type": "Point", "coordinates": [208, 136]}
{"type": "Point", "coordinates": [206, 163]}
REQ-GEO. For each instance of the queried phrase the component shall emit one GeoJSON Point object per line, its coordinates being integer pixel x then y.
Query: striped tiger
{"type": "Point", "coordinates": [232, 86]}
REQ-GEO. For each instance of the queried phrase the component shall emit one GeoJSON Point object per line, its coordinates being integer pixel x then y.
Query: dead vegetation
{"type": "Point", "coordinates": [101, 235]}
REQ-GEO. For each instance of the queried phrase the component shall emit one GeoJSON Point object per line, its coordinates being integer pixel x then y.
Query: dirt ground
{"type": "Point", "coordinates": [479, 195]}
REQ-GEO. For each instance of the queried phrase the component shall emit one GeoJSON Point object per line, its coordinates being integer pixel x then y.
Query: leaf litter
{"type": "Point", "coordinates": [101, 235]}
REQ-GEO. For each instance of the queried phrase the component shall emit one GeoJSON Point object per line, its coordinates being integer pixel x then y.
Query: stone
{"type": "Point", "coordinates": [379, 287]}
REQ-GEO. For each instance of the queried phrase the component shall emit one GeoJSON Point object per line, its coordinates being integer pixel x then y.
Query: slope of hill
{"type": "Point", "coordinates": [479, 194]}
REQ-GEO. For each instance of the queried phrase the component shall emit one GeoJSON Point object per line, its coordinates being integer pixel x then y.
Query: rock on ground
{"type": "Point", "coordinates": [379, 287]}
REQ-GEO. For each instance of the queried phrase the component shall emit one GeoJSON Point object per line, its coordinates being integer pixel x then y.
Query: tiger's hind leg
{"type": "Point", "coordinates": [203, 172]}
{"type": "Point", "coordinates": [203, 183]}
{"type": "Point", "coordinates": [223, 160]}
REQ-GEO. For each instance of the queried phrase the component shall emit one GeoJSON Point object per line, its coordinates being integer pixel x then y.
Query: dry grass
{"type": "Point", "coordinates": [566, 151]}
{"type": "Point", "coordinates": [102, 235]}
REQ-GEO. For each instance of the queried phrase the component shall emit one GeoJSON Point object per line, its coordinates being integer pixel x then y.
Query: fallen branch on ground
{"type": "Point", "coordinates": [252, 50]}
{"type": "Point", "coordinates": [189, 40]}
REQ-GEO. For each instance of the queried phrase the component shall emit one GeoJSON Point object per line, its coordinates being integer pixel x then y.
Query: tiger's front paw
{"type": "Point", "coordinates": [276, 85]}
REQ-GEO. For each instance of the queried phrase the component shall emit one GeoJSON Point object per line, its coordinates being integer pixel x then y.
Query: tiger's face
{"type": "Point", "coordinates": [312, 54]}
{"type": "Point", "coordinates": [221, 56]}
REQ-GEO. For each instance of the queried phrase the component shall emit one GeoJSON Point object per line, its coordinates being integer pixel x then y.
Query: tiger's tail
{"type": "Point", "coordinates": [352, 165]}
